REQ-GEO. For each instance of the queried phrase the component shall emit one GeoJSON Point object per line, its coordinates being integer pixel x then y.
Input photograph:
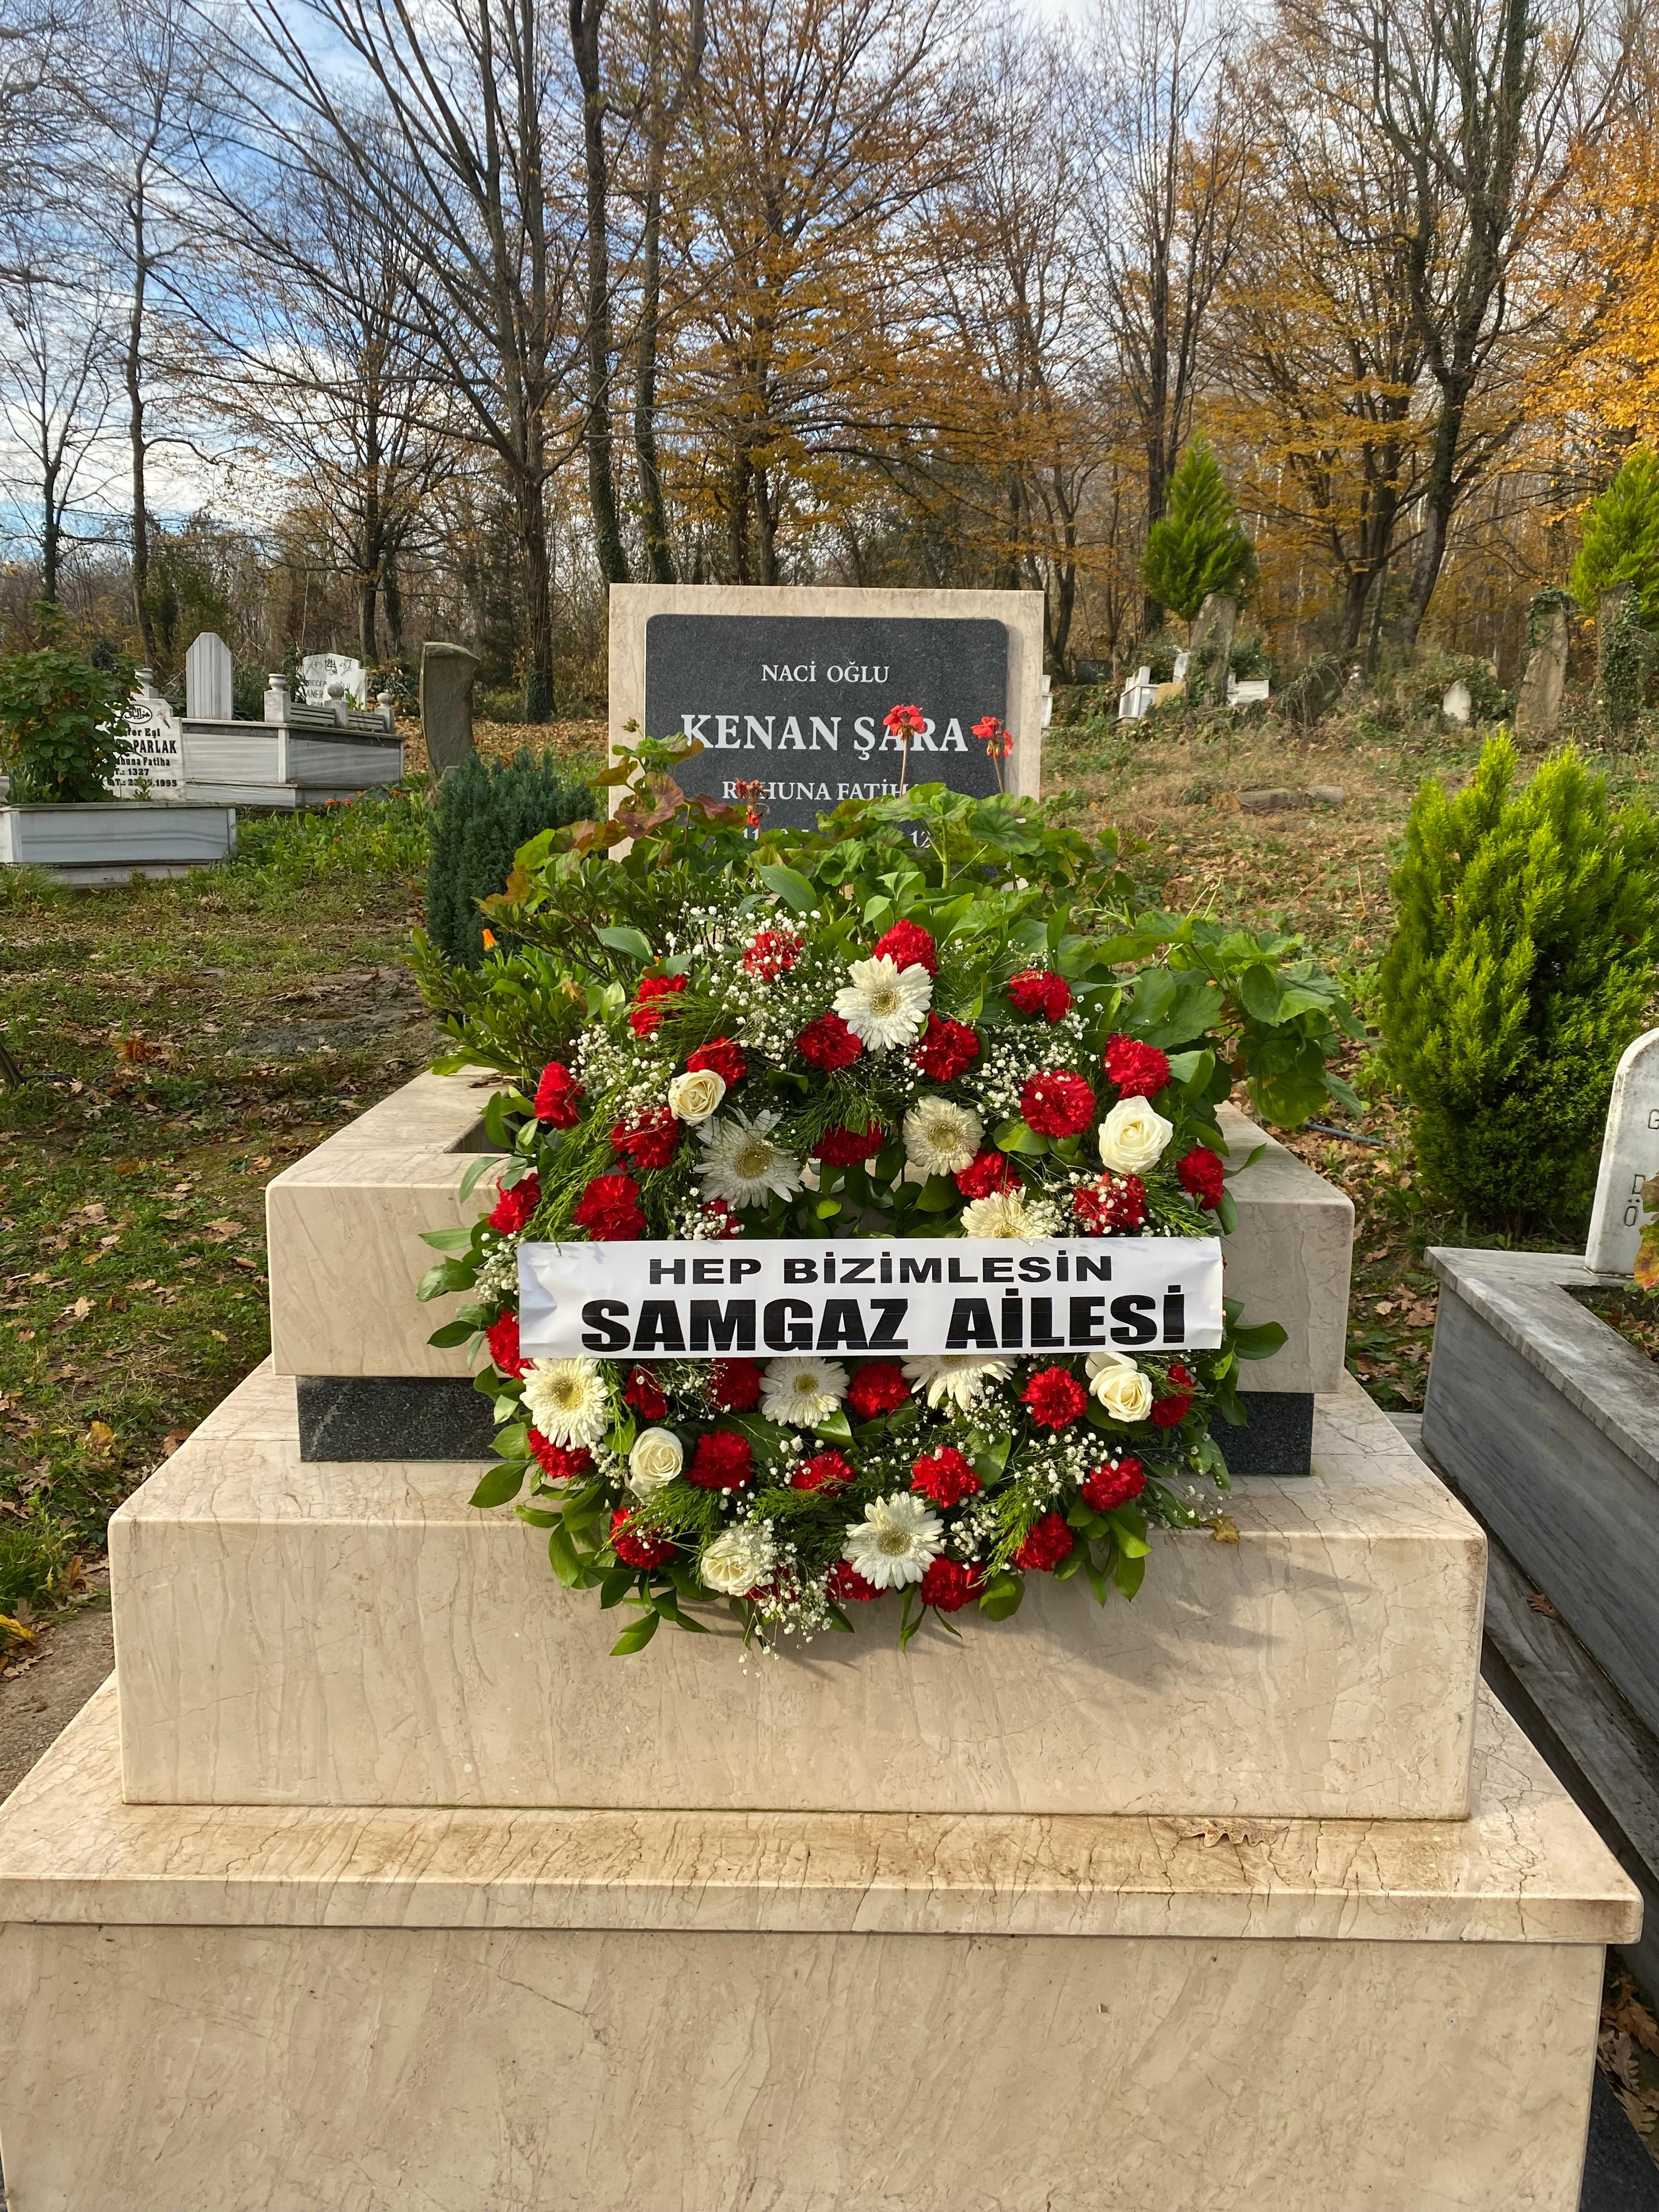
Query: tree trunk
{"type": "Point", "coordinates": [538, 601]}
{"type": "Point", "coordinates": [1439, 497]}
{"type": "Point", "coordinates": [653, 516]}
{"type": "Point", "coordinates": [585, 16]}
{"type": "Point", "coordinates": [392, 597]}
{"type": "Point", "coordinates": [136, 438]}
{"type": "Point", "coordinates": [736, 520]}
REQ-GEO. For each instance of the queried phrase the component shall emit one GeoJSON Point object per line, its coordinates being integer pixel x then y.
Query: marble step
{"type": "Point", "coordinates": [315, 2010]}
{"type": "Point", "coordinates": [354, 1634]}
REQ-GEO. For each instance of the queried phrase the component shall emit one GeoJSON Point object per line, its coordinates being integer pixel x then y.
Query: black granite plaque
{"type": "Point", "coordinates": [360, 1417]}
{"type": "Point", "coordinates": [1277, 1438]}
{"type": "Point", "coordinates": [795, 702]}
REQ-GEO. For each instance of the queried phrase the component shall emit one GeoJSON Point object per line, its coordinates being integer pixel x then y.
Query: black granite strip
{"type": "Point", "coordinates": [368, 1417]}
{"type": "Point", "coordinates": [1278, 1438]}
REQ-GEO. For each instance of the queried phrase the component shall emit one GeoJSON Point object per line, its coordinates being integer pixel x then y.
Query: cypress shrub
{"type": "Point", "coordinates": [1520, 967]}
{"type": "Point", "coordinates": [485, 811]}
{"type": "Point", "coordinates": [1198, 545]}
{"type": "Point", "coordinates": [1621, 538]}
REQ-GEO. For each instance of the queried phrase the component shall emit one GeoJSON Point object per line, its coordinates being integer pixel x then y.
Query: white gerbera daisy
{"type": "Point", "coordinates": [885, 1004]}
{"type": "Point", "coordinates": [1011, 1214]}
{"type": "Point", "coordinates": [941, 1136]}
{"type": "Point", "coordinates": [894, 1542]}
{"type": "Point", "coordinates": [738, 1558]}
{"type": "Point", "coordinates": [741, 1162]}
{"type": "Point", "coordinates": [954, 1378]}
{"type": "Point", "coordinates": [802, 1391]}
{"type": "Point", "coordinates": [565, 1399]}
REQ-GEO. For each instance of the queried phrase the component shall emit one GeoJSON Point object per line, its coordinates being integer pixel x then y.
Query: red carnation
{"type": "Point", "coordinates": [770, 953]}
{"type": "Point", "coordinates": [1139, 1071]}
{"type": "Point", "coordinates": [1056, 1104]}
{"type": "Point", "coordinates": [844, 1583]}
{"type": "Point", "coordinates": [1203, 1176]}
{"type": "Point", "coordinates": [878, 1388]}
{"type": "Point", "coordinates": [947, 1585]}
{"type": "Point", "coordinates": [1047, 1544]}
{"type": "Point", "coordinates": [735, 1384]}
{"type": "Point", "coordinates": [609, 1210]}
{"type": "Point", "coordinates": [849, 1148]}
{"type": "Point", "coordinates": [637, 1548]}
{"type": "Point", "coordinates": [644, 1394]}
{"type": "Point", "coordinates": [514, 1208]}
{"type": "Point", "coordinates": [556, 1095]}
{"type": "Point", "coordinates": [722, 1460]}
{"type": "Point", "coordinates": [1114, 1484]}
{"type": "Point", "coordinates": [643, 1016]}
{"type": "Point", "coordinates": [945, 1049]}
{"type": "Point", "coordinates": [946, 1478]}
{"type": "Point", "coordinates": [1055, 1397]}
{"type": "Point", "coordinates": [1110, 1205]}
{"type": "Point", "coordinates": [502, 1337]}
{"type": "Point", "coordinates": [828, 1043]}
{"type": "Point", "coordinates": [722, 1221]}
{"type": "Point", "coordinates": [722, 1057]}
{"type": "Point", "coordinates": [1171, 1411]}
{"type": "Point", "coordinates": [560, 1463]}
{"type": "Point", "coordinates": [1040, 991]}
{"type": "Point", "coordinates": [985, 1174]}
{"type": "Point", "coordinates": [825, 1470]}
{"type": "Point", "coordinates": [907, 945]}
{"type": "Point", "coordinates": [650, 1142]}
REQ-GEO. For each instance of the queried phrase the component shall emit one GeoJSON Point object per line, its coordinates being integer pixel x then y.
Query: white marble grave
{"type": "Point", "coordinates": [1630, 1155]}
{"type": "Point", "coordinates": [151, 762]}
{"type": "Point", "coordinates": [209, 687]}
{"type": "Point", "coordinates": [320, 672]}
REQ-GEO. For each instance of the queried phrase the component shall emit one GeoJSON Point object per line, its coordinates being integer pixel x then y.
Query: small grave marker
{"type": "Point", "coordinates": [447, 672]}
{"type": "Point", "coordinates": [319, 670]}
{"type": "Point", "coordinates": [1630, 1155]}
{"type": "Point", "coordinates": [210, 694]}
{"type": "Point", "coordinates": [151, 762]}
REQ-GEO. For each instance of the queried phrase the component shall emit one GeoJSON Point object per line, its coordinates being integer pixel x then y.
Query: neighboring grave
{"type": "Point", "coordinates": [1630, 1154]}
{"type": "Point", "coordinates": [787, 688]}
{"type": "Point", "coordinates": [1458, 705]}
{"type": "Point", "coordinates": [1538, 704]}
{"type": "Point", "coordinates": [1209, 647]}
{"type": "Point", "coordinates": [151, 761]}
{"type": "Point", "coordinates": [210, 689]}
{"type": "Point", "coordinates": [447, 675]}
{"type": "Point", "coordinates": [318, 670]}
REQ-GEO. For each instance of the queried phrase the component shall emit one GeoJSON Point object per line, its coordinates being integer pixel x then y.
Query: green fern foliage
{"type": "Point", "coordinates": [1198, 545]}
{"type": "Point", "coordinates": [1522, 965]}
{"type": "Point", "coordinates": [1621, 538]}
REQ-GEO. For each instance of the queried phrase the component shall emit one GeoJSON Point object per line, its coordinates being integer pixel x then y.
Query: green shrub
{"type": "Point", "coordinates": [485, 811]}
{"type": "Point", "coordinates": [1621, 537]}
{"type": "Point", "coordinates": [63, 719]}
{"type": "Point", "coordinates": [1625, 655]}
{"type": "Point", "coordinates": [1520, 967]}
{"type": "Point", "coordinates": [1423, 685]}
{"type": "Point", "coordinates": [1198, 546]}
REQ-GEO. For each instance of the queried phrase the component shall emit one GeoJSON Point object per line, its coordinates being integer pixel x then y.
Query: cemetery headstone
{"type": "Point", "coordinates": [1538, 704]}
{"type": "Point", "coordinates": [1458, 704]}
{"type": "Point", "coordinates": [447, 674]}
{"type": "Point", "coordinates": [209, 693]}
{"type": "Point", "coordinates": [1138, 698]}
{"type": "Point", "coordinates": [318, 670]}
{"type": "Point", "coordinates": [1630, 1155]}
{"type": "Point", "coordinates": [151, 762]}
{"type": "Point", "coordinates": [1210, 645]}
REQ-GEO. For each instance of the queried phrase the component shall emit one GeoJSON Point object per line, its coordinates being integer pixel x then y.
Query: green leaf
{"type": "Point", "coordinates": [1002, 1594]}
{"type": "Point", "coordinates": [452, 1333]}
{"type": "Point", "coordinates": [562, 1555]}
{"type": "Point", "coordinates": [481, 1166]}
{"type": "Point", "coordinates": [1019, 1137]}
{"type": "Point", "coordinates": [438, 1282]}
{"type": "Point", "coordinates": [1259, 991]}
{"type": "Point", "coordinates": [620, 939]}
{"type": "Point", "coordinates": [1128, 1574]}
{"type": "Point", "coordinates": [1260, 1341]}
{"type": "Point", "coordinates": [448, 1240]}
{"type": "Point", "coordinates": [635, 1637]}
{"type": "Point", "coordinates": [500, 1484]}
{"type": "Point", "coordinates": [615, 1586]}
{"type": "Point", "coordinates": [790, 886]}
{"type": "Point", "coordinates": [938, 1193]}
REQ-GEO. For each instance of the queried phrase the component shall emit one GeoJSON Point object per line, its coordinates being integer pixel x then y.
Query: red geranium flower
{"type": "Point", "coordinates": [985, 1174]}
{"type": "Point", "coordinates": [650, 1142]}
{"type": "Point", "coordinates": [849, 1148]}
{"type": "Point", "coordinates": [995, 736]}
{"type": "Point", "coordinates": [560, 1463]}
{"type": "Point", "coordinates": [1040, 991]}
{"type": "Point", "coordinates": [828, 1043]}
{"type": "Point", "coordinates": [1047, 1544]}
{"type": "Point", "coordinates": [825, 1470]}
{"type": "Point", "coordinates": [1056, 1104]}
{"type": "Point", "coordinates": [1171, 1411]}
{"type": "Point", "coordinates": [1055, 1397]}
{"type": "Point", "coordinates": [844, 1583]}
{"type": "Point", "coordinates": [644, 1394]}
{"type": "Point", "coordinates": [1110, 1486]}
{"type": "Point", "coordinates": [722, 1460]}
{"type": "Point", "coordinates": [878, 1388]}
{"type": "Point", "coordinates": [1203, 1175]}
{"type": "Point", "coordinates": [1111, 1205]}
{"type": "Point", "coordinates": [502, 1337]}
{"type": "Point", "coordinates": [722, 1056]}
{"type": "Point", "coordinates": [641, 1549]}
{"type": "Point", "coordinates": [1139, 1071]}
{"type": "Point", "coordinates": [946, 1478]}
{"type": "Point", "coordinates": [643, 1016]}
{"type": "Point", "coordinates": [555, 1096]}
{"type": "Point", "coordinates": [947, 1047]}
{"type": "Point", "coordinates": [514, 1208]}
{"type": "Point", "coordinates": [770, 953]}
{"type": "Point", "coordinates": [609, 1210]}
{"type": "Point", "coordinates": [904, 721]}
{"type": "Point", "coordinates": [735, 1384]}
{"type": "Point", "coordinates": [907, 945]}
{"type": "Point", "coordinates": [722, 1220]}
{"type": "Point", "coordinates": [947, 1585]}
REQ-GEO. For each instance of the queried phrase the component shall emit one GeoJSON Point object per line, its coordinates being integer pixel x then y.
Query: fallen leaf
{"type": "Point", "coordinates": [78, 1311]}
{"type": "Point", "coordinates": [1540, 1603]}
{"type": "Point", "coordinates": [16, 1630]}
{"type": "Point", "coordinates": [226, 1229]}
{"type": "Point", "coordinates": [1224, 1529]}
{"type": "Point", "coordinates": [218, 1336]}
{"type": "Point", "coordinates": [99, 1437]}
{"type": "Point", "coordinates": [173, 1438]}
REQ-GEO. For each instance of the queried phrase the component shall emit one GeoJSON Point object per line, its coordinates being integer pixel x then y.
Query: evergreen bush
{"type": "Point", "coordinates": [1520, 967]}
{"type": "Point", "coordinates": [63, 718]}
{"type": "Point", "coordinates": [485, 811]}
{"type": "Point", "coordinates": [1621, 538]}
{"type": "Point", "coordinates": [1198, 545]}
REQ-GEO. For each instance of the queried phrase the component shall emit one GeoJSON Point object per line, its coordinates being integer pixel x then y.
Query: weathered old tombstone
{"type": "Point", "coordinates": [210, 693]}
{"type": "Point", "coordinates": [1630, 1155]}
{"type": "Point", "coordinates": [1458, 704]}
{"type": "Point", "coordinates": [1210, 645]}
{"type": "Point", "coordinates": [1538, 703]}
{"type": "Point", "coordinates": [151, 762]}
{"type": "Point", "coordinates": [447, 674]}
{"type": "Point", "coordinates": [319, 671]}
{"type": "Point", "coordinates": [1139, 698]}
{"type": "Point", "coordinates": [787, 687]}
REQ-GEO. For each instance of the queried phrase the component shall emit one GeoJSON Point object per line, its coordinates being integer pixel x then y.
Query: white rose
{"type": "Point", "coordinates": [656, 1459]}
{"type": "Point", "coordinates": [1133, 1137]}
{"type": "Point", "coordinates": [738, 1559]}
{"type": "Point", "coordinates": [693, 1098]}
{"type": "Point", "coordinates": [1124, 1390]}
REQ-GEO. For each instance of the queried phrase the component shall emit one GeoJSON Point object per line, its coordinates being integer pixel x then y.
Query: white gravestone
{"type": "Point", "coordinates": [1458, 705]}
{"type": "Point", "coordinates": [318, 670]}
{"type": "Point", "coordinates": [1630, 1155]}
{"type": "Point", "coordinates": [208, 693]}
{"type": "Point", "coordinates": [151, 762]}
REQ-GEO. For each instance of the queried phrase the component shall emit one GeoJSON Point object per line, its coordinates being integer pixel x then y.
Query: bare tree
{"type": "Point", "coordinates": [57, 321]}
